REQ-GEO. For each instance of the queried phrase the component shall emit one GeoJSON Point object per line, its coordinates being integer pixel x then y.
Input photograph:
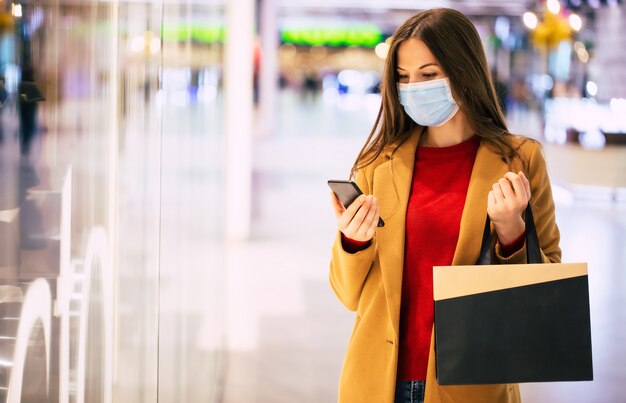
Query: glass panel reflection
{"type": "Point", "coordinates": [191, 264]}
{"type": "Point", "coordinates": [34, 387]}
{"type": "Point", "coordinates": [110, 164]}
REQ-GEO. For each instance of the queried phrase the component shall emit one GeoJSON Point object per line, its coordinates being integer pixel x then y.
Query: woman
{"type": "Point", "coordinates": [438, 160]}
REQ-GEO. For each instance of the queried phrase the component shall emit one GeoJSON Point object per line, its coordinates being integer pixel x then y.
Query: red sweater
{"type": "Point", "coordinates": [440, 181]}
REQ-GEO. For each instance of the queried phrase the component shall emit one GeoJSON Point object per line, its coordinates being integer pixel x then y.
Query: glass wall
{"type": "Point", "coordinates": [191, 264]}
{"type": "Point", "coordinates": [110, 185]}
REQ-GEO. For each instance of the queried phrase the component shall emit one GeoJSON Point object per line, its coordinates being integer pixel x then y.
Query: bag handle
{"type": "Point", "coordinates": [533, 252]}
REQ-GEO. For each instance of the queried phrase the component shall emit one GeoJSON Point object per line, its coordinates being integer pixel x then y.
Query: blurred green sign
{"type": "Point", "coordinates": [357, 35]}
{"type": "Point", "coordinates": [198, 33]}
{"type": "Point", "coordinates": [365, 35]}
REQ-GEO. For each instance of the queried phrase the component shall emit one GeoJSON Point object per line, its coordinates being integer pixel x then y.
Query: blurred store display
{"type": "Point", "coordinates": [586, 122]}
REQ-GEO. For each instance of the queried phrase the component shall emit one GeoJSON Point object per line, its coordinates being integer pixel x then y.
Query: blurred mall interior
{"type": "Point", "coordinates": [165, 223]}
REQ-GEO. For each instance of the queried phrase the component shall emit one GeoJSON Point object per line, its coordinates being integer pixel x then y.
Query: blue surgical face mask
{"type": "Point", "coordinates": [428, 103]}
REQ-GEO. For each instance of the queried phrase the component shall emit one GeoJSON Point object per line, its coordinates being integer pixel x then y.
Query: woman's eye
{"type": "Point", "coordinates": [402, 77]}
{"type": "Point", "coordinates": [429, 75]}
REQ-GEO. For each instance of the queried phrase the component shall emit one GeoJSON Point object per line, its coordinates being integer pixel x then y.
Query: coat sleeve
{"type": "Point", "coordinates": [349, 270]}
{"type": "Point", "coordinates": [542, 205]}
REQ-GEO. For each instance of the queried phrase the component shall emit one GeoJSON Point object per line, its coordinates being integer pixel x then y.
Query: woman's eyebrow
{"type": "Point", "coordinates": [421, 67]}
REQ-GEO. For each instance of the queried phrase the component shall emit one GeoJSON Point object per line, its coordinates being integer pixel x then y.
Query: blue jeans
{"type": "Point", "coordinates": [410, 391]}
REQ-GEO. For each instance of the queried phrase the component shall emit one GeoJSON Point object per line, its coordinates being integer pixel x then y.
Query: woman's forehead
{"type": "Point", "coordinates": [413, 53]}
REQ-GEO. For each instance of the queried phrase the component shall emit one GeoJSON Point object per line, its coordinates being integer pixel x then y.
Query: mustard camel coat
{"type": "Point", "coordinates": [370, 281]}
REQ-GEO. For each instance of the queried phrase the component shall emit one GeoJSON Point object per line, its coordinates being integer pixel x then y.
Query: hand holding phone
{"type": "Point", "coordinates": [357, 214]}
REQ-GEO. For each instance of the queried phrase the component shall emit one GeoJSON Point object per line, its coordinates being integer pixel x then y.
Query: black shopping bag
{"type": "Point", "coordinates": [512, 323]}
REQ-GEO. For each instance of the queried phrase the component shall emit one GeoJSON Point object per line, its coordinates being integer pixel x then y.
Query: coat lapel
{"type": "Point", "coordinates": [392, 186]}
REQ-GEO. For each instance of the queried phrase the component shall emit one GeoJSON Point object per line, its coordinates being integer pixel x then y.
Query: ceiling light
{"type": "Point", "coordinates": [575, 22]}
{"type": "Point", "coordinates": [530, 20]}
{"type": "Point", "coordinates": [592, 88]}
{"type": "Point", "coordinates": [554, 6]}
{"type": "Point", "coordinates": [16, 10]}
{"type": "Point", "coordinates": [381, 50]}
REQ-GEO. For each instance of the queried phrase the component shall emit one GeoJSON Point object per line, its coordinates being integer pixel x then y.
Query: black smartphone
{"type": "Point", "coordinates": [347, 192]}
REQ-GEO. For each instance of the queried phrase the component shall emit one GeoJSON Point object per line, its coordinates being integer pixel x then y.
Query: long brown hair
{"type": "Point", "coordinates": [455, 43]}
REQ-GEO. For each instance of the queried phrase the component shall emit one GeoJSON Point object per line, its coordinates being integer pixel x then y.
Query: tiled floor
{"type": "Point", "coordinates": [288, 333]}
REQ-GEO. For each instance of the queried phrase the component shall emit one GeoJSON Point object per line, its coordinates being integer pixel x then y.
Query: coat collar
{"type": "Point", "coordinates": [392, 186]}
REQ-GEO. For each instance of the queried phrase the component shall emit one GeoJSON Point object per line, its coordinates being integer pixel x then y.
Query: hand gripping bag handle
{"type": "Point", "coordinates": [533, 252]}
